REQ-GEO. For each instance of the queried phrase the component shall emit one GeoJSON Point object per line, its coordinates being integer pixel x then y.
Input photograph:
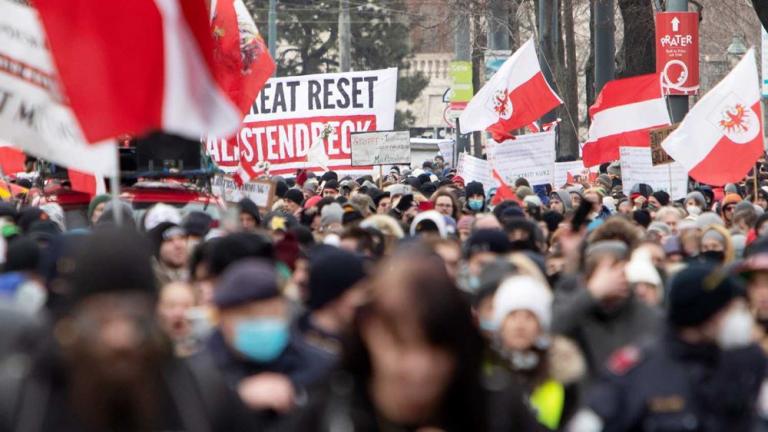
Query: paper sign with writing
{"type": "Point", "coordinates": [530, 156]}
{"type": "Point", "coordinates": [260, 192]}
{"type": "Point", "coordinates": [471, 169]}
{"type": "Point", "coordinates": [381, 148]}
{"type": "Point", "coordinates": [636, 168]}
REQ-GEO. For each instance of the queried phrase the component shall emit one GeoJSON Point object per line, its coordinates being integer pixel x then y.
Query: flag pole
{"type": "Point", "coordinates": [757, 169]}
{"type": "Point", "coordinates": [114, 188]}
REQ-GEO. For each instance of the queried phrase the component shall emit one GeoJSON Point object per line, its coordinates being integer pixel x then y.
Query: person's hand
{"type": "Point", "coordinates": [267, 391]}
{"type": "Point", "coordinates": [608, 281]}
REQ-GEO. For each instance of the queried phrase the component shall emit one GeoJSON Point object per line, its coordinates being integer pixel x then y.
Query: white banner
{"type": "Point", "coordinates": [574, 169]}
{"type": "Point", "coordinates": [530, 156]}
{"type": "Point", "coordinates": [381, 148]}
{"type": "Point", "coordinates": [293, 113]}
{"type": "Point", "coordinates": [636, 168]}
{"type": "Point", "coordinates": [33, 117]}
{"type": "Point", "coordinates": [472, 169]}
{"type": "Point", "coordinates": [446, 149]}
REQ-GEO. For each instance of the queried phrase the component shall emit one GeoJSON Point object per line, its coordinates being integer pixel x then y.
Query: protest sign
{"type": "Point", "coordinates": [530, 156]}
{"type": "Point", "coordinates": [381, 148]}
{"type": "Point", "coordinates": [33, 115]}
{"type": "Point", "coordinates": [446, 150]}
{"type": "Point", "coordinates": [659, 156]}
{"type": "Point", "coordinates": [471, 169]}
{"type": "Point", "coordinates": [291, 114]}
{"type": "Point", "coordinates": [260, 192]}
{"type": "Point", "coordinates": [573, 170]}
{"type": "Point", "coordinates": [636, 168]}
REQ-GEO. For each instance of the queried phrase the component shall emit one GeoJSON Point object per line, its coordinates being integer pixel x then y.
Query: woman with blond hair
{"type": "Point", "coordinates": [716, 245]}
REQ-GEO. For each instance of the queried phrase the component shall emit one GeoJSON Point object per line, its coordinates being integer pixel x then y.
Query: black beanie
{"type": "Point", "coordinates": [281, 187]}
{"type": "Point", "coordinates": [197, 223]}
{"type": "Point", "coordinates": [662, 197]}
{"type": "Point", "coordinates": [474, 188]}
{"type": "Point", "coordinates": [23, 255]}
{"type": "Point", "coordinates": [698, 292]}
{"type": "Point", "coordinates": [487, 240]}
{"type": "Point", "coordinates": [247, 206]}
{"type": "Point", "coordinates": [295, 196]}
{"type": "Point", "coordinates": [332, 271]}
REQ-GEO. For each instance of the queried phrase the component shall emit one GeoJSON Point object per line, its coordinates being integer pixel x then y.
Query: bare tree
{"type": "Point", "coordinates": [638, 49]}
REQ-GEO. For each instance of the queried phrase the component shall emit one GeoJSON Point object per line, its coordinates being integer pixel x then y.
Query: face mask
{"type": "Point", "coordinates": [714, 256]}
{"type": "Point", "coordinates": [473, 283]}
{"type": "Point", "coordinates": [475, 205]}
{"type": "Point", "coordinates": [261, 340]}
{"type": "Point", "coordinates": [487, 326]}
{"type": "Point", "coordinates": [736, 330]}
{"type": "Point", "coordinates": [693, 210]}
{"type": "Point", "coordinates": [652, 208]}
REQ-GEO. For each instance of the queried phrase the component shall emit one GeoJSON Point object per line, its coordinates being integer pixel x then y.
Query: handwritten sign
{"type": "Point", "coordinates": [659, 156]}
{"type": "Point", "coordinates": [381, 148]}
{"type": "Point", "coordinates": [260, 192]}
{"type": "Point", "coordinates": [636, 168]}
{"type": "Point", "coordinates": [530, 156]}
{"type": "Point", "coordinates": [471, 169]}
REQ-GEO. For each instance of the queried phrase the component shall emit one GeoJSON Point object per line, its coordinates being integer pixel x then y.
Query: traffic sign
{"type": "Point", "coordinates": [677, 52]}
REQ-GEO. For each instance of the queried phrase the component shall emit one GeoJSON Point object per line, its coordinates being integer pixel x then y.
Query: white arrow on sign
{"type": "Point", "coordinates": [675, 24]}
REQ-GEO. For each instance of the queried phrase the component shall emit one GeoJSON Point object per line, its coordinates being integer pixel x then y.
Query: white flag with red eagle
{"type": "Point", "coordinates": [722, 136]}
{"type": "Point", "coordinates": [516, 96]}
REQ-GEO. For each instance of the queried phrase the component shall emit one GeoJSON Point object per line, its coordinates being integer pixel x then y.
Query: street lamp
{"type": "Point", "coordinates": [736, 50]}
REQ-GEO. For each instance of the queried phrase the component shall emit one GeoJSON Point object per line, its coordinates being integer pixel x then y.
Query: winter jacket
{"type": "Point", "coordinates": [577, 315]}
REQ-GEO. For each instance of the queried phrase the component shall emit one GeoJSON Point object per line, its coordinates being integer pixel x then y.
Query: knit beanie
{"type": "Point", "coordinates": [332, 271]}
{"type": "Point", "coordinates": [523, 293]}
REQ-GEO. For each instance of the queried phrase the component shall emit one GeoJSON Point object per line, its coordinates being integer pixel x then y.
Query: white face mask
{"type": "Point", "coordinates": [736, 330]}
{"type": "Point", "coordinates": [693, 210]}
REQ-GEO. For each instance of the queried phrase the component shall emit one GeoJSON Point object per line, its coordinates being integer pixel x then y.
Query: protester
{"type": "Point", "coordinates": [707, 335]}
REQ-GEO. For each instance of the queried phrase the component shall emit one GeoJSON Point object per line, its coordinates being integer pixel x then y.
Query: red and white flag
{"type": "Point", "coordinates": [516, 96]}
{"type": "Point", "coordinates": [131, 67]}
{"type": "Point", "coordinates": [34, 116]}
{"type": "Point", "coordinates": [622, 116]}
{"type": "Point", "coordinates": [242, 59]}
{"type": "Point", "coordinates": [722, 136]}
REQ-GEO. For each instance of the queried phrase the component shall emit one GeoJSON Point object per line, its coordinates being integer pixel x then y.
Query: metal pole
{"type": "Point", "coordinates": [345, 37]}
{"type": "Point", "coordinates": [272, 27]}
{"type": "Point", "coordinates": [605, 45]}
{"type": "Point", "coordinates": [498, 35]}
{"type": "Point", "coordinates": [678, 104]}
{"type": "Point", "coordinates": [462, 48]}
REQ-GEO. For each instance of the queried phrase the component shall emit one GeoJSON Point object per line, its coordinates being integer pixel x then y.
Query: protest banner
{"type": "Point", "coordinates": [574, 170]}
{"type": "Point", "coordinates": [636, 168]}
{"type": "Point", "coordinates": [291, 114]}
{"type": "Point", "coordinates": [260, 192]}
{"type": "Point", "coordinates": [530, 156]}
{"type": "Point", "coordinates": [472, 169]}
{"type": "Point", "coordinates": [33, 115]}
{"type": "Point", "coordinates": [381, 148]}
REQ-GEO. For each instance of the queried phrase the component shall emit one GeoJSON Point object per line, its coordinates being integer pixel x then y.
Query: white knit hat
{"type": "Point", "coordinates": [523, 293]}
{"type": "Point", "coordinates": [640, 269]}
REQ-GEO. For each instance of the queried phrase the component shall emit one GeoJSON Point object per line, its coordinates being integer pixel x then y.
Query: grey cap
{"type": "Point", "coordinates": [331, 213]}
{"type": "Point", "coordinates": [708, 218]}
{"type": "Point", "coordinates": [246, 281]}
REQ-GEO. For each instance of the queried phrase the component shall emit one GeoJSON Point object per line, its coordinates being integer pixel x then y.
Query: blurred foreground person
{"type": "Point", "coordinates": [107, 366]}
{"type": "Point", "coordinates": [414, 362]}
{"type": "Point", "coordinates": [702, 374]}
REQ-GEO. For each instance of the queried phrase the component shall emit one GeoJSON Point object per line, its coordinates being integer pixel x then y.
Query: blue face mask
{"type": "Point", "coordinates": [475, 204]}
{"type": "Point", "coordinates": [488, 326]}
{"type": "Point", "coordinates": [262, 339]}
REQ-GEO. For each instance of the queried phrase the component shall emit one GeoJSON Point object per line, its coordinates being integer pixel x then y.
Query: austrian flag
{"type": "Point", "coordinates": [516, 96]}
{"type": "Point", "coordinates": [722, 136]}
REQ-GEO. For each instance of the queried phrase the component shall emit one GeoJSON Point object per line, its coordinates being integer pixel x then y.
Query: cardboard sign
{"type": "Point", "coordinates": [574, 170]}
{"type": "Point", "coordinates": [381, 148]}
{"type": "Point", "coordinates": [292, 114]}
{"type": "Point", "coordinates": [530, 156]}
{"type": "Point", "coordinates": [677, 52]}
{"type": "Point", "coordinates": [261, 192]}
{"type": "Point", "coordinates": [472, 169]}
{"type": "Point", "coordinates": [659, 156]}
{"type": "Point", "coordinates": [636, 168]}
{"type": "Point", "coordinates": [446, 149]}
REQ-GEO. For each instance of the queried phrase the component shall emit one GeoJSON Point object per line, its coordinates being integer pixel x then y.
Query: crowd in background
{"type": "Point", "coordinates": [414, 302]}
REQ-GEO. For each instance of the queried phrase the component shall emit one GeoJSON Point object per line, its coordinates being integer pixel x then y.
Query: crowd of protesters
{"type": "Point", "coordinates": [413, 302]}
